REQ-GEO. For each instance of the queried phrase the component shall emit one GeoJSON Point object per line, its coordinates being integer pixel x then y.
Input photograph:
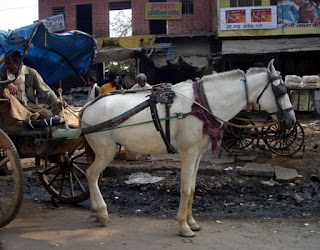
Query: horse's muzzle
{"type": "Point", "coordinates": [287, 122]}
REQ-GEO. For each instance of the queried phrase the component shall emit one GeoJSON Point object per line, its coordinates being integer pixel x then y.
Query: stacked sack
{"type": "Point", "coordinates": [293, 81]}
{"type": "Point", "coordinates": [311, 81]}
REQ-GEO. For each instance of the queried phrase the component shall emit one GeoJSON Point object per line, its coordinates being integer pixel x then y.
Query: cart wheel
{"type": "Point", "coordinates": [66, 181]}
{"type": "Point", "coordinates": [11, 180]}
{"type": "Point", "coordinates": [240, 141]}
{"type": "Point", "coordinates": [285, 143]}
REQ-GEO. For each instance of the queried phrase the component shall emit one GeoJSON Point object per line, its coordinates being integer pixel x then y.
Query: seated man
{"type": "Point", "coordinates": [141, 83]}
{"type": "Point", "coordinates": [27, 85]}
{"type": "Point", "coordinates": [112, 83]}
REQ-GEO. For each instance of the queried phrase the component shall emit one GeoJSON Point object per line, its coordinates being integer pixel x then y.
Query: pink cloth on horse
{"type": "Point", "coordinates": [208, 128]}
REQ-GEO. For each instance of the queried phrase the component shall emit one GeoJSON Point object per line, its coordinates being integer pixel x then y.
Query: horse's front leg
{"type": "Point", "coordinates": [102, 159]}
{"type": "Point", "coordinates": [188, 161]}
{"type": "Point", "coordinates": [191, 221]}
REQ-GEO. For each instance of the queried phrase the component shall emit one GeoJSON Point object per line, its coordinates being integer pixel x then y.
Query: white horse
{"type": "Point", "coordinates": [226, 97]}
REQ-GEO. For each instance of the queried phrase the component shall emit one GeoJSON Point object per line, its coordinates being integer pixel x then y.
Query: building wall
{"type": "Point", "coordinates": [100, 15]}
{"type": "Point", "coordinates": [200, 22]}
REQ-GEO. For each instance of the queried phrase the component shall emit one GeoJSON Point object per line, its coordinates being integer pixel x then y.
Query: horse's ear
{"type": "Point", "coordinates": [271, 68]}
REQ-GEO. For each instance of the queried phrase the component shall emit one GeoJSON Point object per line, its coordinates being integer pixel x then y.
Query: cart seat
{"type": "Point", "coordinates": [10, 123]}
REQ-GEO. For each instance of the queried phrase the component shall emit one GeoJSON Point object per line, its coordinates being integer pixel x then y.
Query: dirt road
{"type": "Point", "coordinates": [40, 225]}
{"type": "Point", "coordinates": [235, 211]}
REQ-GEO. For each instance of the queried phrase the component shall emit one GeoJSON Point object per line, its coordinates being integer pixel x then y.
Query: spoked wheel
{"type": "Point", "coordinates": [240, 141]}
{"type": "Point", "coordinates": [285, 143]}
{"type": "Point", "coordinates": [11, 180]}
{"type": "Point", "coordinates": [66, 181]}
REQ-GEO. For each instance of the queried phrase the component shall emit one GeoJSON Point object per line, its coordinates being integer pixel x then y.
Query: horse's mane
{"type": "Point", "coordinates": [223, 75]}
{"type": "Point", "coordinates": [256, 70]}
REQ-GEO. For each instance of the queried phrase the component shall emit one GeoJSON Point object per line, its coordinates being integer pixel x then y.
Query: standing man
{"type": "Point", "coordinates": [94, 88]}
{"type": "Point", "coordinates": [28, 85]}
{"type": "Point", "coordinates": [141, 83]}
{"type": "Point", "coordinates": [112, 85]}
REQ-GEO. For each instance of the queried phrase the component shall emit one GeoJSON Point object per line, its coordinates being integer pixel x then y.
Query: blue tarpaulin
{"type": "Point", "coordinates": [54, 55]}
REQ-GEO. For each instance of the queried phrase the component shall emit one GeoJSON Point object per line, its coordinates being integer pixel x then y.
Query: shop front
{"type": "Point", "coordinates": [293, 57]}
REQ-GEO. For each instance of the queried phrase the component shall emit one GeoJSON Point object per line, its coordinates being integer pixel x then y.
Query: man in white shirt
{"type": "Point", "coordinates": [94, 88]}
{"type": "Point", "coordinates": [141, 83]}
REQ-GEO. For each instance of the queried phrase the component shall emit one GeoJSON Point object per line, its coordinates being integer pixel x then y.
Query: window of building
{"type": "Point", "coordinates": [187, 6]}
{"type": "Point", "coordinates": [57, 11]}
{"type": "Point", "coordinates": [120, 19]}
{"type": "Point", "coordinates": [244, 3]}
{"type": "Point", "coordinates": [84, 18]}
{"type": "Point", "coordinates": [157, 27]}
{"type": "Point", "coordinates": [273, 2]}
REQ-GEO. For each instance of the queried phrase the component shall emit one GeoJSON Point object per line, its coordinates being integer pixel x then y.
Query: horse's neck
{"type": "Point", "coordinates": [227, 97]}
{"type": "Point", "coordinates": [256, 81]}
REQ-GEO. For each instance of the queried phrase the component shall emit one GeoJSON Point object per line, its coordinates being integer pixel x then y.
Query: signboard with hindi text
{"type": "Point", "coordinates": [163, 10]}
{"type": "Point", "coordinates": [258, 17]}
{"type": "Point", "coordinates": [55, 23]}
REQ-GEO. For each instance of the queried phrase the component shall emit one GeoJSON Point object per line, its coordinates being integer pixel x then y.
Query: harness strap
{"type": "Point", "coordinates": [168, 123]}
{"type": "Point", "coordinates": [264, 89]}
{"type": "Point", "coordinates": [283, 110]}
{"type": "Point", "coordinates": [246, 90]}
{"type": "Point", "coordinates": [204, 101]}
{"type": "Point", "coordinates": [271, 79]}
{"type": "Point", "coordinates": [157, 123]}
{"type": "Point", "coordinates": [116, 120]}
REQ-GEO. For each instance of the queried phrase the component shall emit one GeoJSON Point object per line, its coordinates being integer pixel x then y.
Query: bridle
{"type": "Point", "coordinates": [278, 91]}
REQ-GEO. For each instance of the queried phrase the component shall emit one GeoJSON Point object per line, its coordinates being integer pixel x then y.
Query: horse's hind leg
{"type": "Point", "coordinates": [103, 156]}
{"type": "Point", "coordinates": [188, 162]}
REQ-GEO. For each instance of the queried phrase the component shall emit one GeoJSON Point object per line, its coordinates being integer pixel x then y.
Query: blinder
{"type": "Point", "coordinates": [279, 90]}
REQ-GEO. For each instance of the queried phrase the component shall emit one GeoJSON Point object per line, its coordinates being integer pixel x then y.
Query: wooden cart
{"type": "Point", "coordinates": [249, 129]}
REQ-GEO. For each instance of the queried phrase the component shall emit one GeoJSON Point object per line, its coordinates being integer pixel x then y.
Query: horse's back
{"type": "Point", "coordinates": [110, 106]}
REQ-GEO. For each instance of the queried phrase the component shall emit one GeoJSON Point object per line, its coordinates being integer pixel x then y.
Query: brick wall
{"type": "Point", "coordinates": [201, 21]}
{"type": "Point", "coordinates": [100, 16]}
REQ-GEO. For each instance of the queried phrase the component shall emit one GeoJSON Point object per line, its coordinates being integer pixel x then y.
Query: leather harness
{"type": "Point", "coordinates": [201, 110]}
{"type": "Point", "coordinates": [168, 100]}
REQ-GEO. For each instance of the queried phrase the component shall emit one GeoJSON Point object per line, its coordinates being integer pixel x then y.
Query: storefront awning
{"type": "Point", "coordinates": [116, 54]}
{"type": "Point", "coordinates": [195, 53]}
{"type": "Point", "coordinates": [264, 46]}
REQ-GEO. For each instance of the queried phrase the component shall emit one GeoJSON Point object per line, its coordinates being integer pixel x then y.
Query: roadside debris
{"type": "Point", "coordinates": [270, 183]}
{"type": "Point", "coordinates": [285, 174]}
{"type": "Point", "coordinates": [228, 169]}
{"type": "Point", "coordinates": [256, 169]}
{"type": "Point", "coordinates": [143, 178]}
{"type": "Point", "coordinates": [315, 178]}
{"type": "Point", "coordinates": [298, 198]}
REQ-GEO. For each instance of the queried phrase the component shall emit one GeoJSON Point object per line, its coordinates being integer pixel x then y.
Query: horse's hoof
{"type": "Point", "coordinates": [195, 227]}
{"type": "Point", "coordinates": [187, 233]}
{"type": "Point", "coordinates": [103, 221]}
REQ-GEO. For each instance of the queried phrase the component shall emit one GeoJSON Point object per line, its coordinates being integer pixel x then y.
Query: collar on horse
{"type": "Point", "coordinates": [211, 126]}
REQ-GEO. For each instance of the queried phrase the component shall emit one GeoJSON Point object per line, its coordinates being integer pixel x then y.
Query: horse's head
{"type": "Point", "coordinates": [275, 100]}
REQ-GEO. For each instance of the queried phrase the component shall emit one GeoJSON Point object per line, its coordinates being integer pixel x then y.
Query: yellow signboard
{"type": "Point", "coordinates": [163, 10]}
